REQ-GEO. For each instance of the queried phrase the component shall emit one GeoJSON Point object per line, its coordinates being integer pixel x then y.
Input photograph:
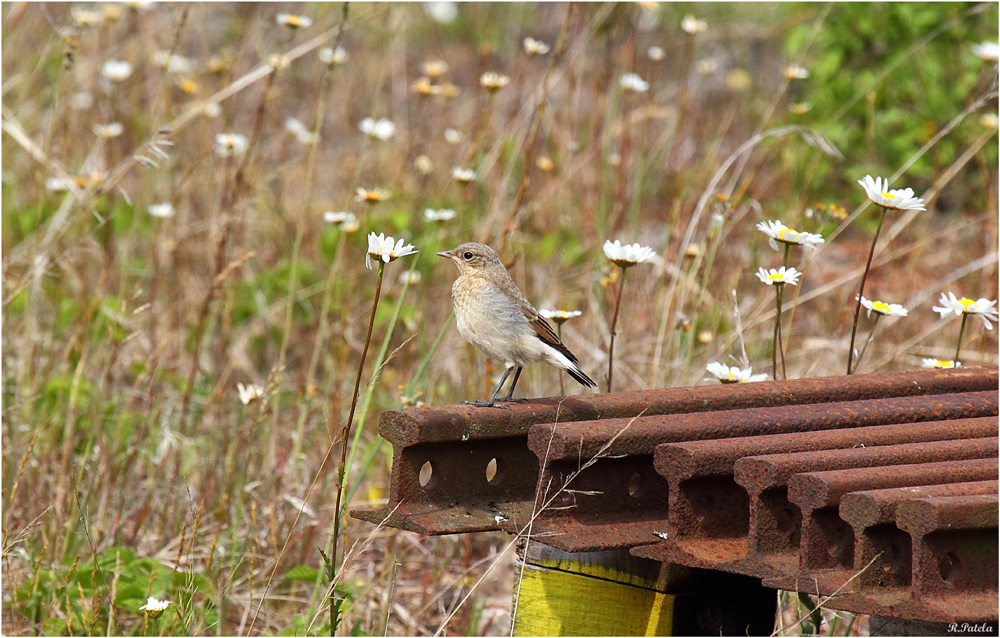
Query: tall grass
{"type": "Point", "coordinates": [130, 466]}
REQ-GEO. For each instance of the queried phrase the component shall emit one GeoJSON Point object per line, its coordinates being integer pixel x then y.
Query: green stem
{"type": "Point", "coordinates": [864, 278]}
{"type": "Point", "coordinates": [614, 322]}
{"type": "Point", "coordinates": [369, 392]}
{"type": "Point", "coordinates": [341, 470]}
{"type": "Point", "coordinates": [961, 331]}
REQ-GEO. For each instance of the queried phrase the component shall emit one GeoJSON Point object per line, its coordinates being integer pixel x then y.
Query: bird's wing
{"type": "Point", "coordinates": [544, 330]}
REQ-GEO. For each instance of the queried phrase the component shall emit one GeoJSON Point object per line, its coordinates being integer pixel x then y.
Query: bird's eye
{"type": "Point", "coordinates": [467, 255]}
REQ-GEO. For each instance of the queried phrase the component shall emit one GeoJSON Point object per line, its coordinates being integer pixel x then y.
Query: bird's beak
{"type": "Point", "coordinates": [444, 253]}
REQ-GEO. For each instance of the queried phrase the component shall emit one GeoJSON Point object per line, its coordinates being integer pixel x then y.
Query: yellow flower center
{"type": "Point", "coordinates": [880, 306]}
{"type": "Point", "coordinates": [888, 196]}
{"type": "Point", "coordinates": [776, 277]}
{"type": "Point", "coordinates": [967, 303]}
{"type": "Point", "coordinates": [293, 21]}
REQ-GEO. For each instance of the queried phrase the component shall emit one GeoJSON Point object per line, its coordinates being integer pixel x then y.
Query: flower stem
{"type": "Point", "coordinates": [614, 322]}
{"type": "Point", "coordinates": [961, 331]}
{"type": "Point", "coordinates": [342, 470]}
{"type": "Point", "coordinates": [777, 331]}
{"type": "Point", "coordinates": [871, 336]}
{"type": "Point", "coordinates": [864, 278]}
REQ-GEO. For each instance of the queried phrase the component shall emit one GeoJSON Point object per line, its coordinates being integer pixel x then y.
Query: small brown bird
{"type": "Point", "coordinates": [493, 315]}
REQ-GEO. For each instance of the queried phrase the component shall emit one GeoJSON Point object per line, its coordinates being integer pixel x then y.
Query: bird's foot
{"type": "Point", "coordinates": [485, 404]}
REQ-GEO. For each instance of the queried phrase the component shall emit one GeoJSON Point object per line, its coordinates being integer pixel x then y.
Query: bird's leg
{"type": "Point", "coordinates": [492, 401]}
{"type": "Point", "coordinates": [510, 393]}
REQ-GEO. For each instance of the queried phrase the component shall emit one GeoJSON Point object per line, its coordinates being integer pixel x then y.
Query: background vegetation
{"type": "Point", "coordinates": [130, 466]}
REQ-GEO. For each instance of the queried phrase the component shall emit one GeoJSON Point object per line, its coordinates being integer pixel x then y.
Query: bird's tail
{"type": "Point", "coordinates": [580, 377]}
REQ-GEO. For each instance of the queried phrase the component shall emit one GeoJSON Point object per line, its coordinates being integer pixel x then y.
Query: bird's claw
{"type": "Point", "coordinates": [485, 404]}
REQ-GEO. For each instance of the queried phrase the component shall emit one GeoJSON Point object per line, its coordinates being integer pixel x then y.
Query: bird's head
{"type": "Point", "coordinates": [471, 257]}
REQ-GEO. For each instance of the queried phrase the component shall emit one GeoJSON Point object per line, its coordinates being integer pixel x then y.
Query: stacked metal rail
{"type": "Point", "coordinates": [877, 491]}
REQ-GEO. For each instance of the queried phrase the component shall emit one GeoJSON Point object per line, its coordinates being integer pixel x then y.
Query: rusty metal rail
{"type": "Point", "coordinates": [802, 483]}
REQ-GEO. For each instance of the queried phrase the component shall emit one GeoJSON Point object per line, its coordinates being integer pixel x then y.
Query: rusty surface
{"type": "Point", "coordinates": [704, 495]}
{"type": "Point", "coordinates": [954, 542]}
{"type": "Point", "coordinates": [580, 494]}
{"type": "Point", "coordinates": [745, 478]}
{"type": "Point", "coordinates": [872, 515]}
{"type": "Point", "coordinates": [939, 560]}
{"type": "Point", "coordinates": [459, 442]}
{"type": "Point", "coordinates": [461, 422]}
{"type": "Point", "coordinates": [833, 572]}
{"type": "Point", "coordinates": [579, 441]}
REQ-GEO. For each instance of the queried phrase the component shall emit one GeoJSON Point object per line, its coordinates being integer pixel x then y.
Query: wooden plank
{"type": "Point", "coordinates": [612, 593]}
{"type": "Point", "coordinates": [552, 602]}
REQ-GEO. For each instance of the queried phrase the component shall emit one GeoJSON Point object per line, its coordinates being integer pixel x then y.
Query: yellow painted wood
{"type": "Point", "coordinates": [558, 603]}
{"type": "Point", "coordinates": [597, 570]}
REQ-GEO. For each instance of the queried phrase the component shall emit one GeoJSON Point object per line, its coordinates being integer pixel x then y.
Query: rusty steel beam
{"type": "Point", "coordinates": [822, 540]}
{"type": "Point", "coordinates": [627, 483]}
{"type": "Point", "coordinates": [778, 518]}
{"type": "Point", "coordinates": [709, 514]}
{"type": "Point", "coordinates": [954, 543]}
{"type": "Point", "coordinates": [459, 442]}
{"type": "Point", "coordinates": [872, 514]}
{"type": "Point", "coordinates": [949, 558]}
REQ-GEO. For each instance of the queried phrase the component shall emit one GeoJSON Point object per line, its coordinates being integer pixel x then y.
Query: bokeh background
{"type": "Point", "coordinates": [131, 466]}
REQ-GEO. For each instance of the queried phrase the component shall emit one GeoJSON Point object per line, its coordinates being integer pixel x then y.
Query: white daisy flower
{"type": "Point", "coordinates": [249, 393]}
{"type": "Point", "coordinates": [423, 164]}
{"type": "Point", "coordinates": [535, 47]}
{"type": "Point", "coordinates": [211, 109]}
{"type": "Point", "coordinates": [116, 70]}
{"type": "Point", "coordinates": [795, 73]}
{"type": "Point", "coordinates": [348, 222]}
{"type": "Point", "coordinates": [692, 25]}
{"type": "Point", "coordinates": [331, 57]}
{"type": "Point", "coordinates": [442, 215]}
{"type": "Point", "coordinates": [59, 184]}
{"type": "Point", "coordinates": [434, 68]}
{"type": "Point", "coordinates": [293, 21]}
{"type": "Point", "coordinates": [985, 308]}
{"type": "Point", "coordinates": [778, 232]}
{"type": "Point", "coordinates": [625, 255]}
{"type": "Point", "coordinates": [986, 50]}
{"type": "Point", "coordinates": [108, 131]}
{"type": "Point", "coordinates": [412, 277]}
{"type": "Point", "coordinates": [656, 53]}
{"type": "Point", "coordinates": [154, 608]}
{"type": "Point", "coordinates": [165, 209]}
{"type": "Point", "coordinates": [492, 81]}
{"type": "Point", "coordinates": [373, 196]}
{"type": "Point", "coordinates": [733, 374]}
{"type": "Point", "coordinates": [901, 199]}
{"type": "Point", "coordinates": [707, 66]}
{"type": "Point", "coordinates": [464, 175]}
{"type": "Point", "coordinates": [173, 63]}
{"type": "Point", "coordinates": [441, 12]}
{"type": "Point", "coordinates": [779, 276]}
{"type": "Point", "coordinates": [382, 247]}
{"type": "Point", "coordinates": [941, 364]}
{"type": "Point", "coordinates": [630, 82]}
{"type": "Point", "coordinates": [882, 308]}
{"type": "Point", "coordinates": [299, 130]}
{"type": "Point", "coordinates": [229, 144]}
{"type": "Point", "coordinates": [382, 129]}
{"type": "Point", "coordinates": [559, 316]}
{"type": "Point", "coordinates": [452, 136]}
